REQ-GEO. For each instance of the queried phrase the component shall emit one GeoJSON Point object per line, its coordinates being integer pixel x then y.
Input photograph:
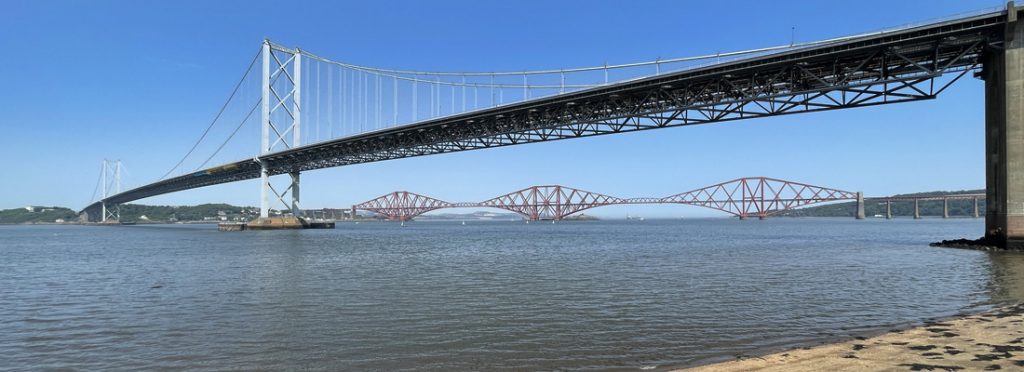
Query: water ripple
{"type": "Point", "coordinates": [484, 296]}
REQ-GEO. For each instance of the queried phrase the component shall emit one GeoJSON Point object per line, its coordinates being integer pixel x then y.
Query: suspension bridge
{"type": "Point", "coordinates": [315, 112]}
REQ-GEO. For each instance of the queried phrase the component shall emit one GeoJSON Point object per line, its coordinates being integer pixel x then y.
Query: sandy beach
{"type": "Point", "coordinates": [989, 341]}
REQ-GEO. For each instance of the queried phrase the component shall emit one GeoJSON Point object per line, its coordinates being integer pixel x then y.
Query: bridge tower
{"type": "Point", "coordinates": [1003, 73]}
{"type": "Point", "coordinates": [281, 119]}
{"type": "Point", "coordinates": [111, 169]}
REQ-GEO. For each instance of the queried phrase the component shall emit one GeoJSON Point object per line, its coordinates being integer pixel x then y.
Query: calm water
{"type": "Point", "coordinates": [484, 296]}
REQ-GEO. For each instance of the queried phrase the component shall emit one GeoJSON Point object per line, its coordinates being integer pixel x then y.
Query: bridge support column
{"type": "Point", "coordinates": [352, 213]}
{"type": "Point", "coordinates": [1004, 137]}
{"type": "Point", "coordinates": [265, 131]}
{"type": "Point", "coordinates": [112, 213]}
{"type": "Point", "coordinates": [945, 207]}
{"type": "Point", "coordinates": [296, 208]}
{"type": "Point", "coordinates": [860, 206]}
{"type": "Point", "coordinates": [917, 210]}
{"type": "Point", "coordinates": [976, 214]}
{"type": "Point", "coordinates": [264, 191]}
{"type": "Point", "coordinates": [888, 209]}
{"type": "Point", "coordinates": [280, 126]}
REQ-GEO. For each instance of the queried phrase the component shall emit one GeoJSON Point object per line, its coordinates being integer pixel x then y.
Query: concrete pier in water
{"type": "Point", "coordinates": [277, 223]}
{"type": "Point", "coordinates": [1004, 137]}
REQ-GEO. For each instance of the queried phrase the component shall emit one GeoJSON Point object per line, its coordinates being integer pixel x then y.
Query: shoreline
{"type": "Point", "coordinates": [988, 340]}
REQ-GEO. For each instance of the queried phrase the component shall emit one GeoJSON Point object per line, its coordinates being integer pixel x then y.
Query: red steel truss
{"type": "Point", "coordinates": [552, 202]}
{"type": "Point", "coordinates": [402, 205]}
{"type": "Point", "coordinates": [758, 196]}
{"type": "Point", "coordinates": [742, 197]}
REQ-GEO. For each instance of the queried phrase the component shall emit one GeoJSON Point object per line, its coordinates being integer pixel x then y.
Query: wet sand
{"type": "Point", "coordinates": [990, 341]}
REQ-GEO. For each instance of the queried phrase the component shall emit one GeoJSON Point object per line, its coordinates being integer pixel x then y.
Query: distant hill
{"type": "Point", "coordinates": [202, 212]}
{"type": "Point", "coordinates": [135, 213]}
{"type": "Point", "coordinates": [37, 215]}
{"type": "Point", "coordinates": [876, 207]}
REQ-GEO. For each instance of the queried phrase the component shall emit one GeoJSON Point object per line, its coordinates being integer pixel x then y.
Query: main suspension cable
{"type": "Point", "coordinates": [219, 113]}
{"type": "Point", "coordinates": [96, 190]}
{"type": "Point", "coordinates": [221, 147]}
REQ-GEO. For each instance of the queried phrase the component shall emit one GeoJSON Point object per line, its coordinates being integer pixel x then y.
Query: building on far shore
{"type": "Point", "coordinates": [35, 209]}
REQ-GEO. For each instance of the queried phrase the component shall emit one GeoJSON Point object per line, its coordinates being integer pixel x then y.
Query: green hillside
{"type": "Point", "coordinates": [166, 213]}
{"type": "Point", "coordinates": [135, 213]}
{"type": "Point", "coordinates": [37, 215]}
{"type": "Point", "coordinates": [957, 208]}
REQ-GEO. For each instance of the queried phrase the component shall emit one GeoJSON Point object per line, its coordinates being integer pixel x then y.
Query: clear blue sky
{"type": "Point", "coordinates": [139, 81]}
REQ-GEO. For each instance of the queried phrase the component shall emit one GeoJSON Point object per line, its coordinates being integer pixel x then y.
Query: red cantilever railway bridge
{"type": "Point", "coordinates": [742, 197]}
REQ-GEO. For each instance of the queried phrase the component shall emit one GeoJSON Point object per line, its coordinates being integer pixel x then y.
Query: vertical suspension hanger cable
{"type": "Point", "coordinates": [561, 89]}
{"type": "Point", "coordinates": [353, 96]}
{"type": "Point", "coordinates": [330, 104]}
{"type": "Point", "coordinates": [360, 96]}
{"type": "Point", "coordinates": [318, 100]}
{"type": "Point", "coordinates": [357, 103]}
{"type": "Point", "coordinates": [394, 101]}
{"type": "Point", "coordinates": [526, 93]}
{"type": "Point", "coordinates": [303, 107]}
{"type": "Point", "coordinates": [379, 99]}
{"type": "Point", "coordinates": [366, 102]}
{"type": "Point", "coordinates": [342, 110]}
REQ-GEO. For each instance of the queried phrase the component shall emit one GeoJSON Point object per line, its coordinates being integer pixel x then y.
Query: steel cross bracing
{"type": "Point", "coordinates": [403, 205]}
{"type": "Point", "coordinates": [552, 202]}
{"type": "Point", "coordinates": [906, 65]}
{"type": "Point", "coordinates": [742, 197]}
{"type": "Point", "coordinates": [758, 196]}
